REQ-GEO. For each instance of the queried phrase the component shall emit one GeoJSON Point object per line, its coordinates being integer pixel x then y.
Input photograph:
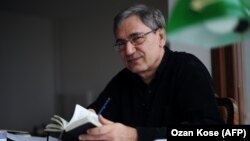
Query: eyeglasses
{"type": "Point", "coordinates": [135, 40]}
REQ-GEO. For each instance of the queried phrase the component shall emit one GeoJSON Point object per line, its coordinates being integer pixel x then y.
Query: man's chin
{"type": "Point", "coordinates": [136, 70]}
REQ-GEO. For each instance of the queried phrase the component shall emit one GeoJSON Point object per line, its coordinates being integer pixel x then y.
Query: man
{"type": "Point", "coordinates": [157, 88]}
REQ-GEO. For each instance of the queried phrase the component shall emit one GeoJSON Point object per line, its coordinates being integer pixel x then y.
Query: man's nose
{"type": "Point", "coordinates": [130, 48]}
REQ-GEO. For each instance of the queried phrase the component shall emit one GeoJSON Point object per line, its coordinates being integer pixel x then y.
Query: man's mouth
{"type": "Point", "coordinates": [133, 60]}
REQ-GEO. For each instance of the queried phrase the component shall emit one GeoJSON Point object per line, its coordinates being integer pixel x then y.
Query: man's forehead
{"type": "Point", "coordinates": [131, 29]}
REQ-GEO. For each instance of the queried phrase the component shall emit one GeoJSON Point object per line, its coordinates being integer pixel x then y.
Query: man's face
{"type": "Point", "coordinates": [146, 56]}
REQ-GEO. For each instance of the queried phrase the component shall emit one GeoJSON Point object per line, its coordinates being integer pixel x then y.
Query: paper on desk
{"type": "Point", "coordinates": [160, 140]}
{"type": "Point", "coordinates": [16, 137]}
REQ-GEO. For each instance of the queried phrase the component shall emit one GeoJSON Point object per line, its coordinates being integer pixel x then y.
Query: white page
{"type": "Point", "coordinates": [79, 113]}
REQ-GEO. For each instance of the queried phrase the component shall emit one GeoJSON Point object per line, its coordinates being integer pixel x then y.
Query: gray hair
{"type": "Point", "coordinates": [153, 18]}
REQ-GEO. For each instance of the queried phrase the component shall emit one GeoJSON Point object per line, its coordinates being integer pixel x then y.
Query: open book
{"type": "Point", "coordinates": [81, 120]}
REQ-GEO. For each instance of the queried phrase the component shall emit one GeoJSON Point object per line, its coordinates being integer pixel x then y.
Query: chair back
{"type": "Point", "coordinates": [228, 110]}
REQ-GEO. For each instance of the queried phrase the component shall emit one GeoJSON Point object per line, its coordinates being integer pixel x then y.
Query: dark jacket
{"type": "Point", "coordinates": [181, 92]}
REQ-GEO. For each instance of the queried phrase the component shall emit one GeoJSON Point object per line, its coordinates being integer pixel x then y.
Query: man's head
{"type": "Point", "coordinates": [140, 38]}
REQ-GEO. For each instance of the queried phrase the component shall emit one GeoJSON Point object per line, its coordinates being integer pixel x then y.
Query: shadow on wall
{"type": "Point", "coordinates": [65, 103]}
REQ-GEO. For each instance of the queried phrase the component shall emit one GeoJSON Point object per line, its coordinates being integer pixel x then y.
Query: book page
{"type": "Point", "coordinates": [79, 113]}
{"type": "Point", "coordinates": [58, 125]}
{"type": "Point", "coordinates": [82, 116]}
{"type": "Point", "coordinates": [62, 122]}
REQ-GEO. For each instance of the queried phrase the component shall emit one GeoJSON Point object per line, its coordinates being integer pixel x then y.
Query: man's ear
{"type": "Point", "coordinates": [162, 37]}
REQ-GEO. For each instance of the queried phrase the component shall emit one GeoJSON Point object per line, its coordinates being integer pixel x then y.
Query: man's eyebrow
{"type": "Point", "coordinates": [135, 34]}
{"type": "Point", "coordinates": [130, 35]}
{"type": "Point", "coordinates": [119, 40]}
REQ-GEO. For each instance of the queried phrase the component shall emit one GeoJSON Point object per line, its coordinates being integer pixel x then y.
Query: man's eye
{"type": "Point", "coordinates": [120, 43]}
{"type": "Point", "coordinates": [137, 39]}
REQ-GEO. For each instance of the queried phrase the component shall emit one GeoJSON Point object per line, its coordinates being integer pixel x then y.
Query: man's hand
{"type": "Point", "coordinates": [110, 131]}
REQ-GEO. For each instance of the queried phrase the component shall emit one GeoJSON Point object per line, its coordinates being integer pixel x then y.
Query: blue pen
{"type": "Point", "coordinates": [104, 106]}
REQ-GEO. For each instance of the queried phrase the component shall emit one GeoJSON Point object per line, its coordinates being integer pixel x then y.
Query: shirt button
{"type": "Point", "coordinates": [149, 91]}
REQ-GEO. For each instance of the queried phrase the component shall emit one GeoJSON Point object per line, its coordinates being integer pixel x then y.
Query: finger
{"type": "Point", "coordinates": [104, 121]}
{"type": "Point", "coordinates": [86, 137]}
{"type": "Point", "coordinates": [96, 131]}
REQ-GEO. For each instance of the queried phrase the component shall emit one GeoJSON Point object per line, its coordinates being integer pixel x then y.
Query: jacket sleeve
{"type": "Point", "coordinates": [150, 133]}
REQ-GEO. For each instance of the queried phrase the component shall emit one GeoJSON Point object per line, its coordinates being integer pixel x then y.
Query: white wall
{"type": "Point", "coordinates": [202, 53]}
{"type": "Point", "coordinates": [26, 71]}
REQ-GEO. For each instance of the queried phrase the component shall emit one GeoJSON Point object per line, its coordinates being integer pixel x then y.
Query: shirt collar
{"type": "Point", "coordinates": [162, 65]}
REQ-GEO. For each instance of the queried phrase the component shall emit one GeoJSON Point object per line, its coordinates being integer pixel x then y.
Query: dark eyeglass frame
{"type": "Point", "coordinates": [134, 40]}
